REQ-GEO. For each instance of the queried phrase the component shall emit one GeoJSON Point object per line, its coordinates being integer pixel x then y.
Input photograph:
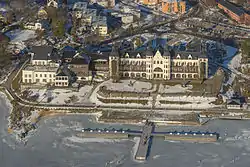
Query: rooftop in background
{"type": "Point", "coordinates": [79, 61]}
{"type": "Point", "coordinates": [68, 54]}
{"type": "Point", "coordinates": [40, 68]}
{"type": "Point", "coordinates": [44, 53]}
{"type": "Point", "coordinates": [238, 11]}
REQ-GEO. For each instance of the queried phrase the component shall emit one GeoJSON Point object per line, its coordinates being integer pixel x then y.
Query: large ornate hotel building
{"type": "Point", "coordinates": [159, 65]}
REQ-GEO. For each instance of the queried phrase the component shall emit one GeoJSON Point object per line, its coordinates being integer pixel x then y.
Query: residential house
{"type": "Point", "coordinates": [88, 16]}
{"type": "Point", "coordinates": [100, 25]}
{"type": "Point", "coordinates": [43, 66]}
{"type": "Point", "coordinates": [99, 65]}
{"type": "Point", "coordinates": [79, 9]}
{"type": "Point", "coordinates": [64, 77]}
{"type": "Point", "coordinates": [42, 13]}
{"type": "Point", "coordinates": [80, 66]}
{"type": "Point", "coordinates": [174, 6]}
{"type": "Point", "coordinates": [105, 3]}
{"type": "Point", "coordinates": [151, 2]}
{"type": "Point", "coordinates": [236, 13]}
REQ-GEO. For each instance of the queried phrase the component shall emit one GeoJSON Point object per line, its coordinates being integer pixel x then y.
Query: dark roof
{"type": "Point", "coordinates": [65, 71]}
{"type": "Point", "coordinates": [79, 61]}
{"type": "Point", "coordinates": [231, 7]}
{"type": "Point", "coordinates": [234, 102]}
{"type": "Point", "coordinates": [184, 55]}
{"type": "Point", "coordinates": [95, 56]}
{"type": "Point", "coordinates": [42, 52]}
{"type": "Point", "coordinates": [149, 52]}
{"type": "Point", "coordinates": [68, 54]}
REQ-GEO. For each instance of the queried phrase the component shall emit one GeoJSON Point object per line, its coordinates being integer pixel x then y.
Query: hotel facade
{"type": "Point", "coordinates": [159, 65]}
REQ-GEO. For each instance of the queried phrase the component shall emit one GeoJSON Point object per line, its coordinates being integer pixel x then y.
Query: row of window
{"type": "Point", "coordinates": [39, 80]}
{"type": "Point", "coordinates": [149, 66]}
{"type": "Point", "coordinates": [39, 63]}
{"type": "Point", "coordinates": [185, 64]}
{"type": "Point", "coordinates": [61, 84]}
{"type": "Point", "coordinates": [164, 71]}
{"type": "Point", "coordinates": [41, 75]}
{"type": "Point", "coordinates": [61, 78]}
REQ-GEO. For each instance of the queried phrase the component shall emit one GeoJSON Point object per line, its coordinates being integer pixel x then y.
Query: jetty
{"type": "Point", "coordinates": [146, 135]}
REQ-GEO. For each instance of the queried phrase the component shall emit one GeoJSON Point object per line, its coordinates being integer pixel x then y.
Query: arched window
{"type": "Point", "coordinates": [158, 69]}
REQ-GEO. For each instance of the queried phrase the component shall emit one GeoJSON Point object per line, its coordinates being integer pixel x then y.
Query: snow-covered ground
{"type": "Point", "coordinates": [233, 65]}
{"type": "Point", "coordinates": [20, 35]}
{"type": "Point", "coordinates": [129, 85]}
{"type": "Point", "coordinates": [123, 86]}
{"type": "Point", "coordinates": [196, 102]}
{"type": "Point", "coordinates": [60, 96]}
{"type": "Point", "coordinates": [173, 89]}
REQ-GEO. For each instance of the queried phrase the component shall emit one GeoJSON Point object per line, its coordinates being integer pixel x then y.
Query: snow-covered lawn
{"type": "Point", "coordinates": [196, 102]}
{"type": "Point", "coordinates": [129, 85]}
{"type": "Point", "coordinates": [21, 35]}
{"type": "Point", "coordinates": [123, 86]}
{"type": "Point", "coordinates": [191, 99]}
{"type": "Point", "coordinates": [173, 89]}
{"type": "Point", "coordinates": [61, 96]}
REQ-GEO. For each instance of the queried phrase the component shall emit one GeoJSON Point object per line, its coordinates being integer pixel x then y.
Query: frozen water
{"type": "Point", "coordinates": [50, 149]}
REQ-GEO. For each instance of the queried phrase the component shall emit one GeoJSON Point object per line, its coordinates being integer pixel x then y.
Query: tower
{"type": "Point", "coordinates": [114, 61]}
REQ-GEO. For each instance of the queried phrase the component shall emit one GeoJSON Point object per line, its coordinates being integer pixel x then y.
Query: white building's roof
{"type": "Point", "coordinates": [40, 68]}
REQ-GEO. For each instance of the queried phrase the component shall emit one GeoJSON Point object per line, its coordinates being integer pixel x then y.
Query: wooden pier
{"type": "Point", "coordinates": [146, 134]}
{"type": "Point", "coordinates": [142, 149]}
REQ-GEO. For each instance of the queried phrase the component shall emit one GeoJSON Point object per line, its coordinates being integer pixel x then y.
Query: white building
{"type": "Point", "coordinates": [43, 66]}
{"type": "Point", "coordinates": [33, 26]}
{"type": "Point", "coordinates": [52, 3]}
{"type": "Point", "coordinates": [79, 9]}
{"type": "Point", "coordinates": [39, 75]}
{"type": "Point", "coordinates": [100, 25]}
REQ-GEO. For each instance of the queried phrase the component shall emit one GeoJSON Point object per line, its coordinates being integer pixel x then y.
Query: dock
{"type": "Point", "coordinates": [143, 147]}
{"type": "Point", "coordinates": [146, 135]}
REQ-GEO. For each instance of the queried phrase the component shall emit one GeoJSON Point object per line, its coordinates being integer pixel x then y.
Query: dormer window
{"type": "Point", "coordinates": [126, 55]}
{"type": "Point", "coordinates": [178, 56]}
{"type": "Point", "coordinates": [138, 55]}
{"type": "Point", "coordinates": [189, 57]}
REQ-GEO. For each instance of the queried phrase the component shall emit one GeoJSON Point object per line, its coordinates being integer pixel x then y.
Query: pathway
{"type": "Point", "coordinates": [154, 96]}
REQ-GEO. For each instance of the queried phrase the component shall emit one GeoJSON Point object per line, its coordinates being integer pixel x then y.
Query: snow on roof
{"type": "Point", "coordinates": [20, 35]}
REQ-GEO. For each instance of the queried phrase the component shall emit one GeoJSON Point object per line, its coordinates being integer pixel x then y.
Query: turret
{"type": "Point", "coordinates": [114, 61]}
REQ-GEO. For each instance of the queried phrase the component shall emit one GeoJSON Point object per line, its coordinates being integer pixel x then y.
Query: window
{"type": "Point", "coordinates": [37, 80]}
{"type": "Point", "coordinates": [29, 75]}
{"type": "Point", "coordinates": [25, 81]}
{"type": "Point", "coordinates": [41, 75]}
{"type": "Point", "coordinates": [25, 75]}
{"type": "Point", "coordinates": [36, 75]}
{"type": "Point", "coordinates": [44, 80]}
{"type": "Point", "coordinates": [30, 81]}
{"type": "Point", "coordinates": [45, 75]}
{"type": "Point", "coordinates": [50, 75]}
